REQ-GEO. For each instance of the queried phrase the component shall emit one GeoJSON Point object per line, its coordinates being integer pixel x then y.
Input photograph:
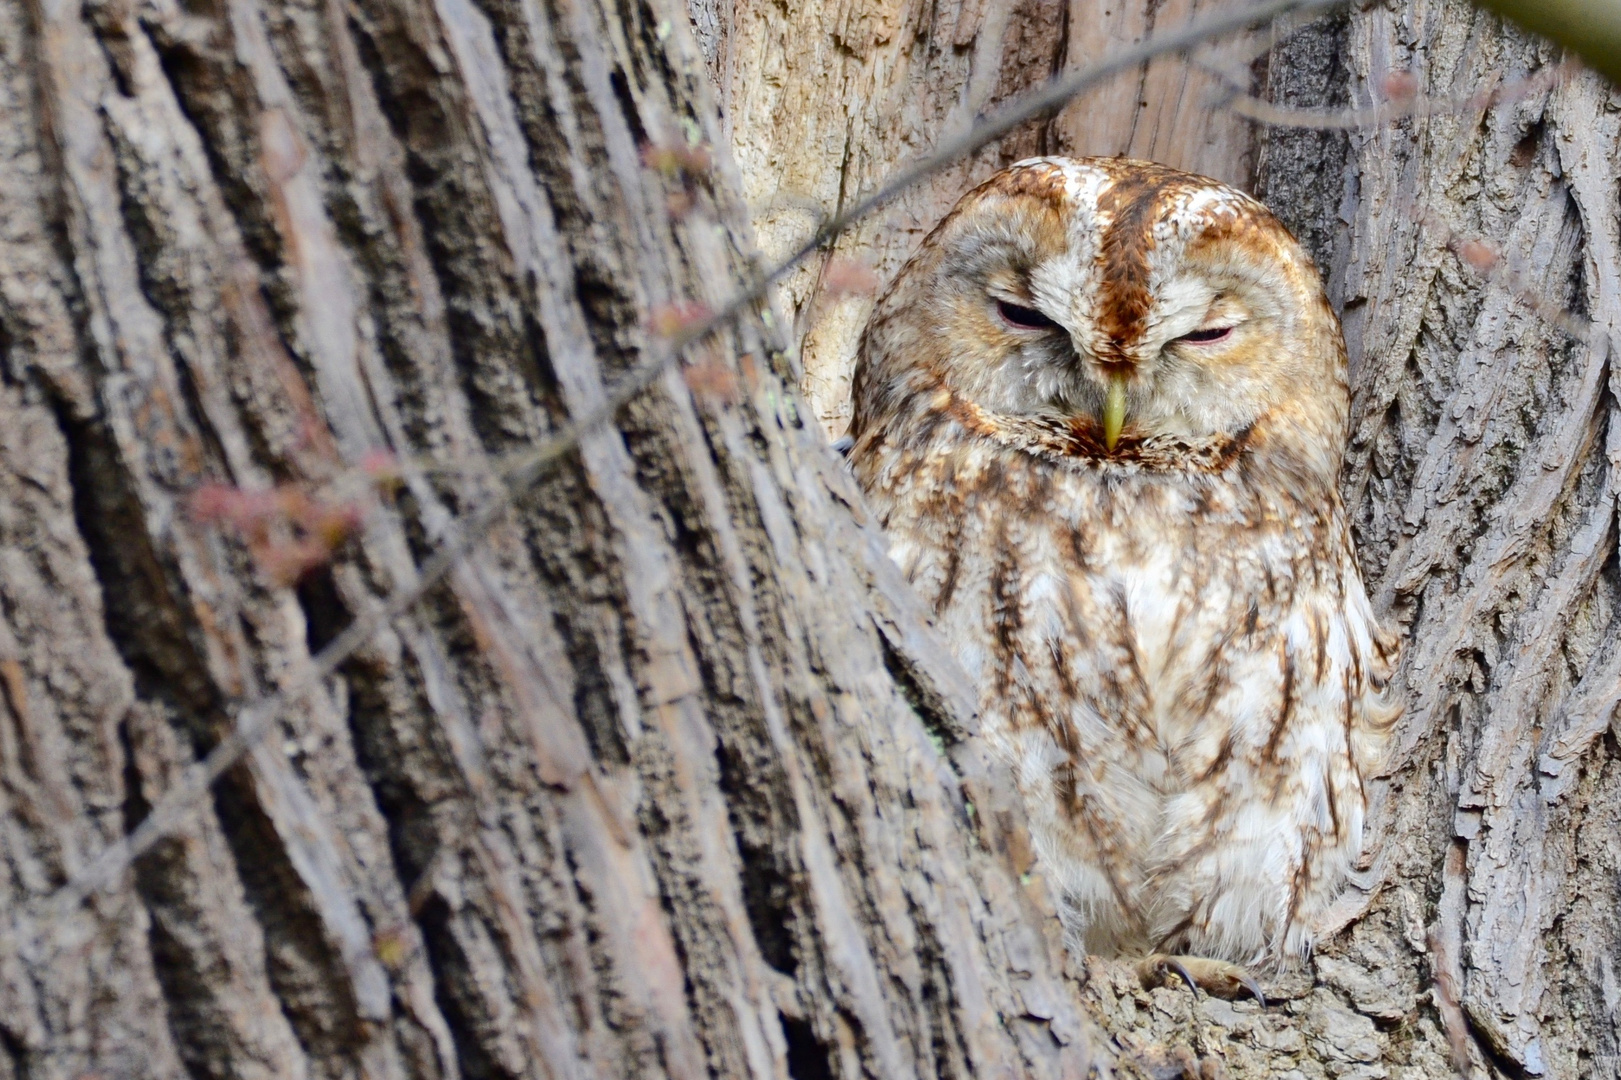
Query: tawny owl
{"type": "Point", "coordinates": [1101, 415]}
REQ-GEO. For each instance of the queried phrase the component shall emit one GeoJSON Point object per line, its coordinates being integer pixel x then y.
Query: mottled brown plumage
{"type": "Point", "coordinates": [1170, 636]}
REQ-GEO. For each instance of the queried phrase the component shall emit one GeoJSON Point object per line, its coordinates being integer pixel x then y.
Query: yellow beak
{"type": "Point", "coordinates": [1114, 409]}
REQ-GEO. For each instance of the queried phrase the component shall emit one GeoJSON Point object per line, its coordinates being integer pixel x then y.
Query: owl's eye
{"type": "Point", "coordinates": [1204, 337]}
{"type": "Point", "coordinates": [1023, 317]}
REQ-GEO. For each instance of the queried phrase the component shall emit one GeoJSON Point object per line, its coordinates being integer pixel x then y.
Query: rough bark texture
{"type": "Point", "coordinates": [1482, 469]}
{"type": "Point", "coordinates": [669, 779]}
{"type": "Point", "coordinates": [665, 780]}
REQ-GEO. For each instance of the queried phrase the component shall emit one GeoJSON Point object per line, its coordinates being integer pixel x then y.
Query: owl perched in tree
{"type": "Point", "coordinates": [1101, 415]}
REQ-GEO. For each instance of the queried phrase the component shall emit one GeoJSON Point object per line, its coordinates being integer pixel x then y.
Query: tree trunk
{"type": "Point", "coordinates": [1475, 255]}
{"type": "Point", "coordinates": [665, 779]}
{"type": "Point", "coordinates": [668, 777]}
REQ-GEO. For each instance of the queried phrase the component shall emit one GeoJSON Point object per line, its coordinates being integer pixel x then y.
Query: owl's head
{"type": "Point", "coordinates": [1138, 304]}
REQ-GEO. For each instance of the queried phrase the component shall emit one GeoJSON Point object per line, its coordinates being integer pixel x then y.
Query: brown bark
{"type": "Point", "coordinates": [666, 778]}
{"type": "Point", "coordinates": [1467, 251]}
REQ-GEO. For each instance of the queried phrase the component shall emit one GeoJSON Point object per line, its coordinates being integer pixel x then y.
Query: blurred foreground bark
{"type": "Point", "coordinates": [1475, 255]}
{"type": "Point", "coordinates": [664, 780]}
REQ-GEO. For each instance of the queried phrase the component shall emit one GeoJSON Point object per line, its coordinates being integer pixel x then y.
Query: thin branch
{"type": "Point", "coordinates": [1261, 111]}
{"type": "Point", "coordinates": [522, 471]}
{"type": "Point", "coordinates": [1058, 92]}
{"type": "Point", "coordinates": [1488, 264]}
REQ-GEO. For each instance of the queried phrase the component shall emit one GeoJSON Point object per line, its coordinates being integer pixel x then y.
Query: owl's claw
{"type": "Point", "coordinates": [1217, 978]}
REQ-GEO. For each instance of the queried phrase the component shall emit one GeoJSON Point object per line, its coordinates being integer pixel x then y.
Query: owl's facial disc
{"type": "Point", "coordinates": [1132, 302]}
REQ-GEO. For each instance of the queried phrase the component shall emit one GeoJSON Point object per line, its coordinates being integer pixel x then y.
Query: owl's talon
{"type": "Point", "coordinates": [1217, 978]}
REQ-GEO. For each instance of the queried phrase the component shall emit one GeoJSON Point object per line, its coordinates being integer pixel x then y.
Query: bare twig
{"type": "Point", "coordinates": [522, 471]}
{"type": "Point", "coordinates": [1484, 260]}
{"type": "Point", "coordinates": [1265, 112]}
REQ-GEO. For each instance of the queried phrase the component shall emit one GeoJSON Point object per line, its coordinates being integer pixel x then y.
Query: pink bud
{"type": "Point", "coordinates": [1400, 87]}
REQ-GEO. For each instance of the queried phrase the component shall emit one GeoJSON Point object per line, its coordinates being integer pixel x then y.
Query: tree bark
{"type": "Point", "coordinates": [669, 776]}
{"type": "Point", "coordinates": [1475, 256]}
{"type": "Point", "coordinates": [666, 779]}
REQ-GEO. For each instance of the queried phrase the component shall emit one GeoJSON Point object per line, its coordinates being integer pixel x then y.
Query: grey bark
{"type": "Point", "coordinates": [669, 778]}
{"type": "Point", "coordinates": [1483, 468]}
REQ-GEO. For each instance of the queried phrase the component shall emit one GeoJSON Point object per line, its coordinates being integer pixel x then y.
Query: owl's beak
{"type": "Point", "coordinates": [1114, 409]}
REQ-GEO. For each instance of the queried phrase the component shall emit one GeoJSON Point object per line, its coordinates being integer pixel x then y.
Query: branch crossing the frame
{"type": "Point", "coordinates": [523, 470]}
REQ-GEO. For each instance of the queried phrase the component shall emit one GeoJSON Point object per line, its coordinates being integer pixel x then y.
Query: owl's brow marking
{"type": "Point", "coordinates": [522, 471]}
{"type": "Point", "coordinates": [1130, 205]}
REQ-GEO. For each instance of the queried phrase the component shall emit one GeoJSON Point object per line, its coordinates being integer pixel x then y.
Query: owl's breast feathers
{"type": "Point", "coordinates": [1173, 647]}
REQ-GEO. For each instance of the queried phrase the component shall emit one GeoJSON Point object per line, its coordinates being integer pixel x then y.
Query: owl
{"type": "Point", "coordinates": [1100, 416]}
